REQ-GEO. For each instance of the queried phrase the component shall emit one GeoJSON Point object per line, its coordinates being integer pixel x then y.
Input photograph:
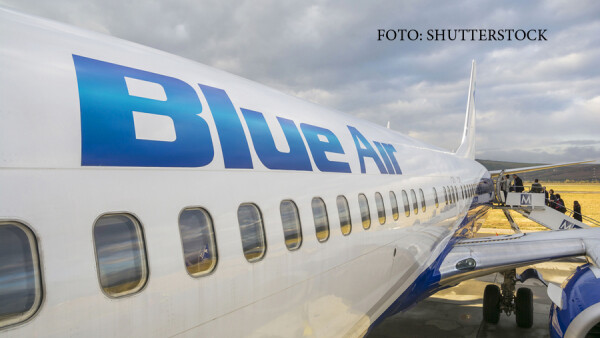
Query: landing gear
{"type": "Point", "coordinates": [524, 308]}
{"type": "Point", "coordinates": [491, 303]}
{"type": "Point", "coordinates": [496, 301]}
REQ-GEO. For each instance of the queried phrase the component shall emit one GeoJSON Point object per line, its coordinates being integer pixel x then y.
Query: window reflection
{"type": "Point", "coordinates": [423, 203]}
{"type": "Point", "coordinates": [252, 232]}
{"type": "Point", "coordinates": [414, 201]}
{"type": "Point", "coordinates": [120, 254]}
{"type": "Point", "coordinates": [380, 208]}
{"type": "Point", "coordinates": [290, 221]}
{"type": "Point", "coordinates": [445, 195]}
{"type": "Point", "coordinates": [435, 198]}
{"type": "Point", "coordinates": [394, 204]}
{"type": "Point", "coordinates": [365, 213]}
{"type": "Point", "coordinates": [344, 212]}
{"type": "Point", "coordinates": [406, 203]}
{"type": "Point", "coordinates": [320, 216]}
{"type": "Point", "coordinates": [20, 284]}
{"type": "Point", "coordinates": [198, 241]}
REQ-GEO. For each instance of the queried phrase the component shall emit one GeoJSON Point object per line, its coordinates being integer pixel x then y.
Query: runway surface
{"type": "Point", "coordinates": [456, 312]}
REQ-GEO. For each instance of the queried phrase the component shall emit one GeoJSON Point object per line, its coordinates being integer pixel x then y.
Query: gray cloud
{"type": "Point", "coordinates": [536, 101]}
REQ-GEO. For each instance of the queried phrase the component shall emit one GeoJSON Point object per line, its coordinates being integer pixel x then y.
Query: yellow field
{"type": "Point", "coordinates": [588, 195]}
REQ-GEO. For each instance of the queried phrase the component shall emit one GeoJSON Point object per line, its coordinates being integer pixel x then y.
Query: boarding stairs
{"type": "Point", "coordinates": [533, 206]}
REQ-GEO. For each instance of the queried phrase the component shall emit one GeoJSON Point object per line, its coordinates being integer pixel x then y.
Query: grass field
{"type": "Point", "coordinates": [588, 195]}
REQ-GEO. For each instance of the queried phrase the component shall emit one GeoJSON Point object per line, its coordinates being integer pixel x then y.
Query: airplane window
{"type": "Point", "coordinates": [20, 277]}
{"type": "Point", "coordinates": [394, 203]}
{"type": "Point", "coordinates": [406, 203]}
{"type": "Point", "coordinates": [365, 213]}
{"type": "Point", "coordinates": [252, 232]}
{"type": "Point", "coordinates": [455, 194]}
{"type": "Point", "coordinates": [414, 202]}
{"type": "Point", "coordinates": [380, 208]}
{"type": "Point", "coordinates": [290, 220]}
{"type": "Point", "coordinates": [120, 254]}
{"type": "Point", "coordinates": [423, 204]}
{"type": "Point", "coordinates": [435, 198]}
{"type": "Point", "coordinates": [198, 241]}
{"type": "Point", "coordinates": [344, 212]}
{"type": "Point", "coordinates": [462, 190]}
{"type": "Point", "coordinates": [320, 216]}
{"type": "Point", "coordinates": [445, 195]}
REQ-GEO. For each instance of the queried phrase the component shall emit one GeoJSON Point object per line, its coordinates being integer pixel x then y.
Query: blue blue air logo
{"type": "Point", "coordinates": [565, 225]}
{"type": "Point", "coordinates": [525, 199]}
{"type": "Point", "coordinates": [135, 118]}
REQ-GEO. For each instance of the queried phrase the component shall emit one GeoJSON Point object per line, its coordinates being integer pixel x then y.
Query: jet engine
{"type": "Point", "coordinates": [575, 311]}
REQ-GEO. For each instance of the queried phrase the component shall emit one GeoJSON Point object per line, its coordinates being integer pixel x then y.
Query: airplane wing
{"type": "Point", "coordinates": [576, 308]}
{"type": "Point", "coordinates": [472, 258]}
{"type": "Point", "coordinates": [496, 173]}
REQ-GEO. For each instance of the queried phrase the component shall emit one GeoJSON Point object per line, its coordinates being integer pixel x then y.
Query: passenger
{"type": "Point", "coordinates": [545, 195]}
{"type": "Point", "coordinates": [552, 199]}
{"type": "Point", "coordinates": [504, 185]}
{"type": "Point", "coordinates": [511, 188]}
{"type": "Point", "coordinates": [577, 211]}
{"type": "Point", "coordinates": [560, 204]}
{"type": "Point", "coordinates": [536, 187]}
{"type": "Point", "coordinates": [518, 183]}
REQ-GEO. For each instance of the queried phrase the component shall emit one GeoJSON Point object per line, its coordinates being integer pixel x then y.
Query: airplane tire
{"type": "Point", "coordinates": [524, 308]}
{"type": "Point", "coordinates": [491, 303]}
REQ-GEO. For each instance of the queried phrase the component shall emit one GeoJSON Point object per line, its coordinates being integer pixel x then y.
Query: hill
{"type": "Point", "coordinates": [582, 172]}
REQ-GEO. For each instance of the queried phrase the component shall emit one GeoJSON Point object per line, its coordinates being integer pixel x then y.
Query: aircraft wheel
{"type": "Point", "coordinates": [491, 304]}
{"type": "Point", "coordinates": [524, 307]}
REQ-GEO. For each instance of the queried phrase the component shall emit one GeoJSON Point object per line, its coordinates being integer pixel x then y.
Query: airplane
{"type": "Point", "coordinates": [143, 194]}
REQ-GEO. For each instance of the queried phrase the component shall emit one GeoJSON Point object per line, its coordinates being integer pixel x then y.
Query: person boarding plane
{"type": "Point", "coordinates": [143, 194]}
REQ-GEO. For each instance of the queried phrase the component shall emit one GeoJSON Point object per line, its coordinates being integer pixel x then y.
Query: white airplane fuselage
{"type": "Point", "coordinates": [58, 185]}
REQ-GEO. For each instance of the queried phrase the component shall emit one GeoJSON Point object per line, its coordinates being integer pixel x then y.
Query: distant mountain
{"type": "Point", "coordinates": [581, 172]}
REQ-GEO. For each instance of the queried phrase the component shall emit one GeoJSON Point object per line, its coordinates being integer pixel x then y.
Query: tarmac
{"type": "Point", "coordinates": [457, 311]}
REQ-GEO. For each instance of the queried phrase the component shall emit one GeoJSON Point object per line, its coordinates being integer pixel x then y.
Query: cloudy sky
{"type": "Point", "coordinates": [537, 101]}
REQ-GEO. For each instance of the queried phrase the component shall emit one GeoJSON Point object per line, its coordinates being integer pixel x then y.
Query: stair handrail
{"type": "Point", "coordinates": [571, 213]}
{"type": "Point", "coordinates": [583, 217]}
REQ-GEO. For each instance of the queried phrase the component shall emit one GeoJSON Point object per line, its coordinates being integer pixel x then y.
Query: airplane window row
{"type": "Point", "coordinates": [120, 248]}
